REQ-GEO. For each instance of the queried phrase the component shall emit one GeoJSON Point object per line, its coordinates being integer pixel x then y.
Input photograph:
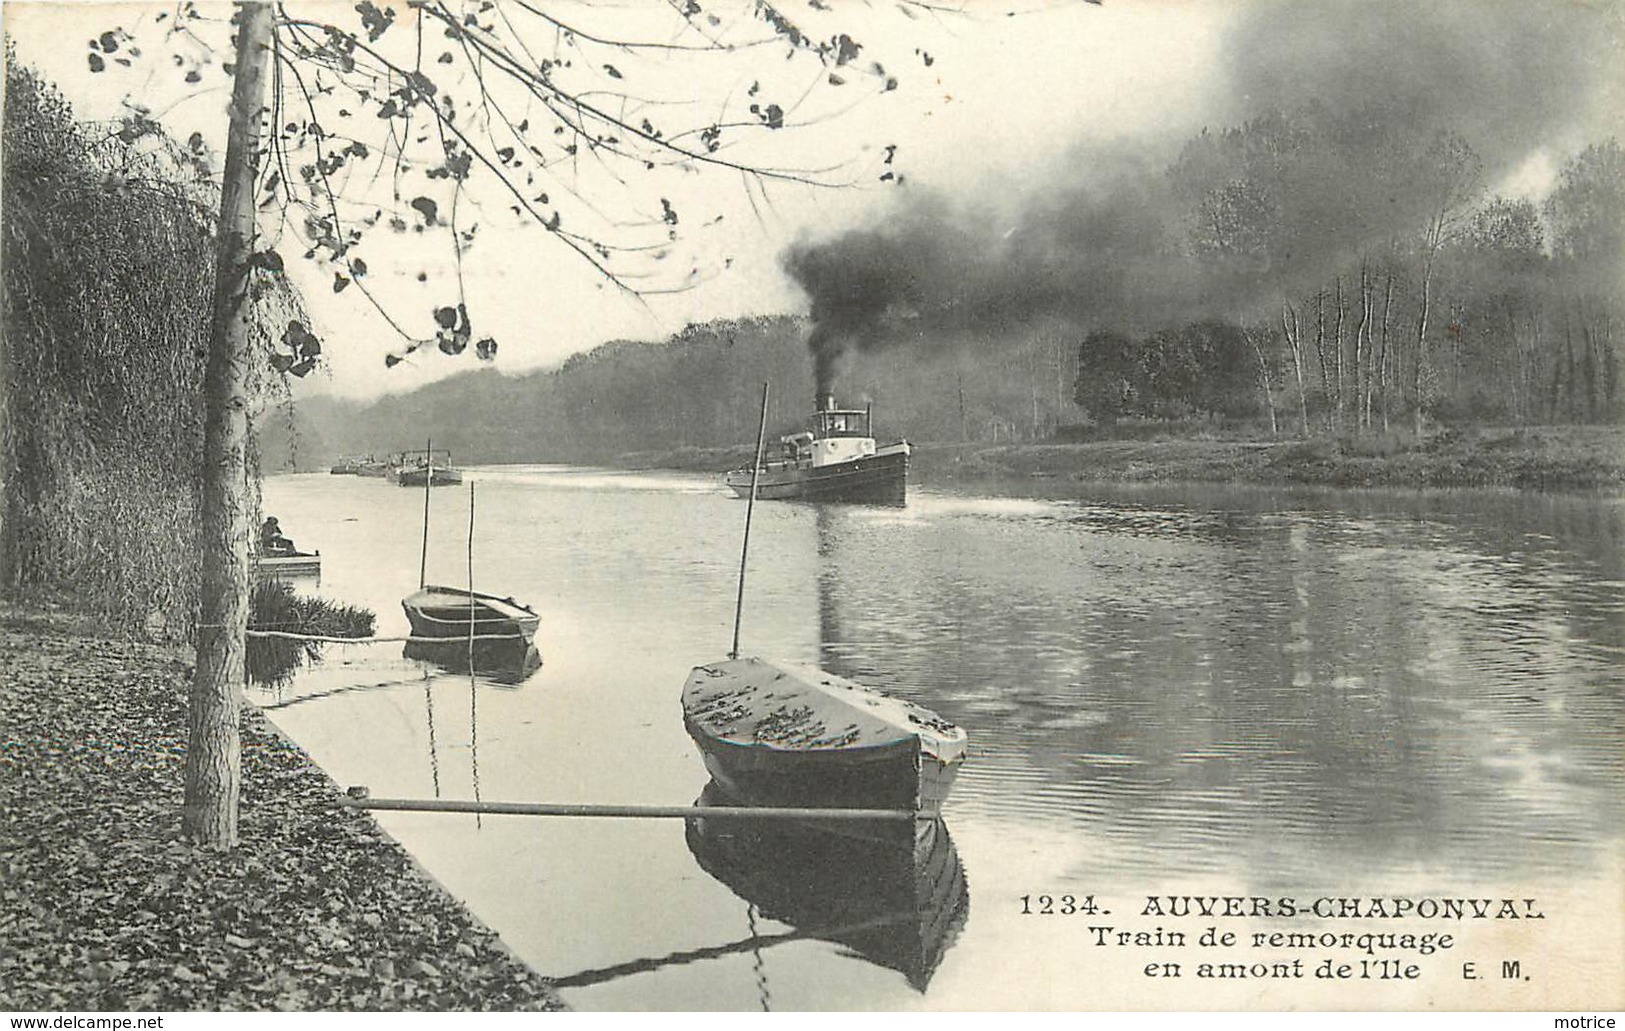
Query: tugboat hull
{"type": "Point", "coordinates": [879, 479]}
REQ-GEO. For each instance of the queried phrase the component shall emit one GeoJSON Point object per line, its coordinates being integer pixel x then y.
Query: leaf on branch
{"type": "Point", "coordinates": [391, 360]}
{"type": "Point", "coordinates": [358, 268]}
{"type": "Point", "coordinates": [445, 317]}
{"type": "Point", "coordinates": [282, 362]}
{"type": "Point", "coordinates": [445, 58]}
{"type": "Point", "coordinates": [97, 64]}
{"type": "Point", "coordinates": [427, 208]}
{"type": "Point", "coordinates": [486, 349]}
{"type": "Point", "coordinates": [612, 71]}
{"type": "Point", "coordinates": [667, 213]}
{"type": "Point", "coordinates": [269, 260]}
{"type": "Point", "coordinates": [836, 80]}
{"type": "Point", "coordinates": [422, 83]}
{"type": "Point", "coordinates": [340, 281]}
{"type": "Point", "coordinates": [505, 154]}
{"type": "Point", "coordinates": [846, 49]}
{"type": "Point", "coordinates": [376, 22]}
{"type": "Point", "coordinates": [193, 76]}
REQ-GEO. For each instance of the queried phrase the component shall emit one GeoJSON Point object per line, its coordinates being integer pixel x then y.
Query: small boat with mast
{"type": "Point", "coordinates": [834, 459]}
{"type": "Point", "coordinates": [484, 624]}
{"type": "Point", "coordinates": [775, 735]}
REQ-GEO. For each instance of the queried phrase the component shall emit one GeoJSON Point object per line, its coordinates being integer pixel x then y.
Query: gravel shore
{"type": "Point", "coordinates": [103, 907]}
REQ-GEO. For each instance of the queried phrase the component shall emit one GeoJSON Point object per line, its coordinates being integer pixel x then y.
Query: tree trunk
{"type": "Point", "coordinates": [1320, 355]}
{"type": "Point", "coordinates": [1264, 381]}
{"type": "Point", "coordinates": [1383, 366]}
{"type": "Point", "coordinates": [213, 751]}
{"type": "Point", "coordinates": [7, 452]}
{"type": "Point", "coordinates": [1337, 358]}
{"type": "Point", "coordinates": [1422, 340]}
{"type": "Point", "coordinates": [1296, 347]}
{"type": "Point", "coordinates": [1362, 351]}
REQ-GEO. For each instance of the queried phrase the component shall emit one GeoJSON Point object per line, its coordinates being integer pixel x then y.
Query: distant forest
{"type": "Point", "coordinates": [1293, 277]}
{"type": "Point", "coordinates": [702, 389]}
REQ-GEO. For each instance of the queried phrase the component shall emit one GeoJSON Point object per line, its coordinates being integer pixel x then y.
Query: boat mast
{"type": "Point", "coordinates": [428, 481]}
{"type": "Point", "coordinates": [750, 505]}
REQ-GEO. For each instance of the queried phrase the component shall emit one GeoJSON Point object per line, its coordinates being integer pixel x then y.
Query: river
{"type": "Point", "coordinates": [1247, 691]}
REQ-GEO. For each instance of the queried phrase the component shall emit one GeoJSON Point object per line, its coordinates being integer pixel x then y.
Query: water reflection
{"type": "Point", "coordinates": [1242, 691]}
{"type": "Point", "coordinates": [506, 662]}
{"type": "Point", "coordinates": [1193, 680]}
{"type": "Point", "coordinates": [895, 896]}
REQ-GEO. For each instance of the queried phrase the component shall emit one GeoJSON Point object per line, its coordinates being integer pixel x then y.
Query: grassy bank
{"type": "Point", "coordinates": [1543, 458]}
{"type": "Point", "coordinates": [103, 907]}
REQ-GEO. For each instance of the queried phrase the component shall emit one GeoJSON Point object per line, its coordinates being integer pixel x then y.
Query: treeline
{"type": "Point", "coordinates": [1314, 275]}
{"type": "Point", "coordinates": [700, 389]}
{"type": "Point", "coordinates": [1443, 306]}
{"type": "Point", "coordinates": [108, 264]}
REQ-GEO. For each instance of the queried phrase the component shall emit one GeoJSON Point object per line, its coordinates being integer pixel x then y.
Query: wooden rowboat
{"type": "Point", "coordinates": [453, 612]}
{"type": "Point", "coordinates": [773, 736]}
{"type": "Point", "coordinates": [288, 564]}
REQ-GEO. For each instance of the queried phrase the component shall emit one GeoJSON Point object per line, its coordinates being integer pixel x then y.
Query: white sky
{"type": "Point", "coordinates": [1004, 99]}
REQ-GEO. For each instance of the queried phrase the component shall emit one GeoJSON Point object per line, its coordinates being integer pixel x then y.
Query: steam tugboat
{"type": "Point", "coordinates": [835, 459]}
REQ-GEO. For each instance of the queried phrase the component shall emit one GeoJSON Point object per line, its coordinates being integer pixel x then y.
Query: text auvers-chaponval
{"type": "Point", "coordinates": [1330, 907]}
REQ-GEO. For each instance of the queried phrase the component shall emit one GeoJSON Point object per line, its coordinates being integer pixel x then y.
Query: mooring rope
{"type": "Point", "coordinates": [410, 638]}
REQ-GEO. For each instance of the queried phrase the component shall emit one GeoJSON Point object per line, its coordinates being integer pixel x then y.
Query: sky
{"type": "Point", "coordinates": [988, 109]}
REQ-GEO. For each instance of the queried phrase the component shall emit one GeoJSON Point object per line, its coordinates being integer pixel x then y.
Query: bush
{"type": "Point", "coordinates": [108, 272]}
{"type": "Point", "coordinates": [274, 605]}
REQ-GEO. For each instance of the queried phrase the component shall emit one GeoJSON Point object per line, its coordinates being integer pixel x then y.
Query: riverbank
{"type": "Point", "coordinates": [102, 907]}
{"type": "Point", "coordinates": [1554, 458]}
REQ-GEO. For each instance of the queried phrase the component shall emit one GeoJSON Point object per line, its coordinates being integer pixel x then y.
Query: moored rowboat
{"type": "Point", "coordinates": [773, 736]}
{"type": "Point", "coordinates": [453, 612]}
{"type": "Point", "coordinates": [288, 564]}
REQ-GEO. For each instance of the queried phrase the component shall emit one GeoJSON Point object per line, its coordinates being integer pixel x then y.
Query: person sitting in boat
{"type": "Point", "coordinates": [272, 542]}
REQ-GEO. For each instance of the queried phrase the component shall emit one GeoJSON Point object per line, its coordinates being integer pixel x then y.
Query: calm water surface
{"type": "Point", "coordinates": [1227, 690]}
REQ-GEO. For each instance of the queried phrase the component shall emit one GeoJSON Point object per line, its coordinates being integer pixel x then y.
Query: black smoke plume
{"type": "Point", "coordinates": [1373, 82]}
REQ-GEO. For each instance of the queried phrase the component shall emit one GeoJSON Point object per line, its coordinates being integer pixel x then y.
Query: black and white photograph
{"type": "Point", "coordinates": [673, 506]}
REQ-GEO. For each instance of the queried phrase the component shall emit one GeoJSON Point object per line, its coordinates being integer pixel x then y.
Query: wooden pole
{"type": "Point", "coordinates": [750, 506]}
{"type": "Point", "coordinates": [428, 482]}
{"type": "Point", "coordinates": [644, 812]}
{"type": "Point", "coordinates": [471, 578]}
